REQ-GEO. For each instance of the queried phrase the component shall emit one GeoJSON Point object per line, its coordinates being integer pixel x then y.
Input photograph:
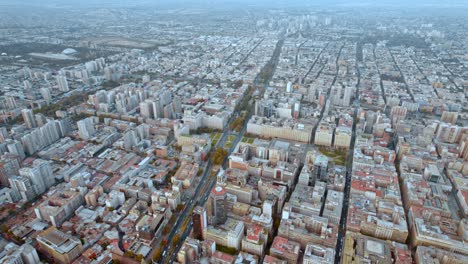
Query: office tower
{"type": "Point", "coordinates": [86, 128]}
{"type": "Point", "coordinates": [199, 222]}
{"type": "Point", "coordinates": [216, 207]}
{"type": "Point", "coordinates": [16, 148]}
{"type": "Point", "coordinates": [46, 95]}
{"type": "Point", "coordinates": [62, 83]}
{"type": "Point", "coordinates": [320, 168]}
{"type": "Point", "coordinates": [28, 118]}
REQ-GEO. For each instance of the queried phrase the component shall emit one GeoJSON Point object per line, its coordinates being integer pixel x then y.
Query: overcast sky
{"type": "Point", "coordinates": [240, 3]}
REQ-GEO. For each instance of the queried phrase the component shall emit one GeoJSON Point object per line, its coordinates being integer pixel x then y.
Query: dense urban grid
{"type": "Point", "coordinates": [140, 135]}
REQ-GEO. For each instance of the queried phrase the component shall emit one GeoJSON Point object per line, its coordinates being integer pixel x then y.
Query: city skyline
{"type": "Point", "coordinates": [233, 132]}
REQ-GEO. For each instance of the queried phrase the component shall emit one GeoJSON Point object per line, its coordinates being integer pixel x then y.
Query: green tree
{"type": "Point", "coordinates": [139, 257]}
{"type": "Point", "coordinates": [219, 155]}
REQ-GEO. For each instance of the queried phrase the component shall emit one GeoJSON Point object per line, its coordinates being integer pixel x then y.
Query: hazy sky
{"type": "Point", "coordinates": [209, 3]}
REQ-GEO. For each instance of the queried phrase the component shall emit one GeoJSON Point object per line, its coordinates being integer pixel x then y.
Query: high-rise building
{"type": "Point", "coordinates": [62, 83]}
{"type": "Point", "coordinates": [3, 134]}
{"type": "Point", "coordinates": [23, 186]}
{"type": "Point", "coordinates": [9, 166]}
{"type": "Point", "coordinates": [46, 172]}
{"type": "Point", "coordinates": [216, 208]}
{"type": "Point", "coordinates": [40, 120]}
{"type": "Point", "coordinates": [146, 109]}
{"type": "Point", "coordinates": [28, 118]}
{"type": "Point", "coordinates": [86, 128]}
{"type": "Point", "coordinates": [321, 168]}
{"type": "Point", "coordinates": [35, 176]}
{"type": "Point", "coordinates": [108, 74]}
{"type": "Point", "coordinates": [157, 109]}
{"type": "Point", "coordinates": [199, 222]}
{"type": "Point", "coordinates": [130, 139]}
{"type": "Point", "coordinates": [27, 85]}
{"type": "Point", "coordinates": [24, 254]}
{"type": "Point", "coordinates": [177, 107]}
{"type": "Point", "coordinates": [33, 181]}
{"type": "Point", "coordinates": [289, 87]}
{"type": "Point", "coordinates": [46, 95]}
{"type": "Point", "coordinates": [16, 148]}
{"type": "Point", "coordinates": [43, 136]}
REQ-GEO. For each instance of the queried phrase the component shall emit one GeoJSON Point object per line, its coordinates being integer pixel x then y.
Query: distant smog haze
{"type": "Point", "coordinates": [237, 3]}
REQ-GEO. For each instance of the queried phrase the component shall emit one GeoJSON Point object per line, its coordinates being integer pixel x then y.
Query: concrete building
{"type": "Point", "coordinates": [342, 137]}
{"type": "Point", "coordinates": [28, 117]}
{"type": "Point", "coordinates": [199, 221]}
{"type": "Point", "coordinates": [86, 128]}
{"type": "Point", "coordinates": [315, 254]}
{"type": "Point", "coordinates": [255, 240]}
{"type": "Point", "coordinates": [285, 249]}
{"type": "Point", "coordinates": [58, 207]}
{"type": "Point", "coordinates": [64, 248]}
{"type": "Point", "coordinates": [24, 254]}
{"type": "Point", "coordinates": [324, 134]}
{"type": "Point", "coordinates": [62, 83]}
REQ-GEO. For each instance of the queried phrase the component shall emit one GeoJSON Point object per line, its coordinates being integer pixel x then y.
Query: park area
{"type": "Point", "coordinates": [230, 141]}
{"type": "Point", "coordinates": [337, 155]}
{"type": "Point", "coordinates": [247, 140]}
{"type": "Point", "coordinates": [215, 138]}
